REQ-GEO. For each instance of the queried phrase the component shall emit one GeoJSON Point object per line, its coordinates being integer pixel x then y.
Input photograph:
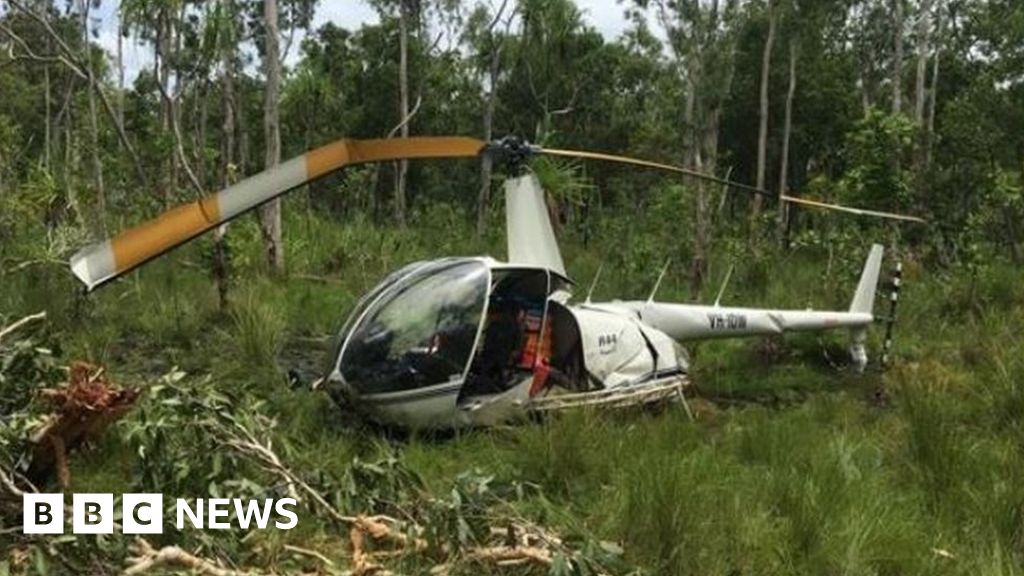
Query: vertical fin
{"type": "Point", "coordinates": [864, 297]}
{"type": "Point", "coordinates": [864, 302]}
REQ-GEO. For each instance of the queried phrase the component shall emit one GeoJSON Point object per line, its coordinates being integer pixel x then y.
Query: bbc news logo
{"type": "Point", "coordinates": [144, 513]}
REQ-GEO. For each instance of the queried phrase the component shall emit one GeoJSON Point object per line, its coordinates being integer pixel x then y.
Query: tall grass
{"type": "Point", "coordinates": [796, 468]}
{"type": "Point", "coordinates": [257, 330]}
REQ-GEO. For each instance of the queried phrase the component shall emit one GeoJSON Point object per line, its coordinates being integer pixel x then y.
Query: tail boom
{"type": "Point", "coordinates": [687, 322]}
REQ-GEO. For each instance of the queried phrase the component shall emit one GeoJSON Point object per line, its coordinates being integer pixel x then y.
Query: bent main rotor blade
{"type": "Point", "coordinates": [104, 261]}
{"type": "Point", "coordinates": [649, 164]}
{"type": "Point", "coordinates": [851, 210]}
{"type": "Point", "coordinates": [730, 183]}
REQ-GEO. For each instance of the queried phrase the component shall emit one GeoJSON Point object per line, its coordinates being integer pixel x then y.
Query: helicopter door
{"type": "Point", "coordinates": [512, 340]}
{"type": "Point", "coordinates": [561, 369]}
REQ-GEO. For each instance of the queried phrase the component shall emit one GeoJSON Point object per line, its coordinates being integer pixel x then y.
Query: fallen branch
{"type": "Point", "coordinates": [148, 558]}
{"type": "Point", "coordinates": [380, 528]}
{"type": "Point", "coordinates": [508, 555]}
{"type": "Point", "coordinates": [245, 442]}
{"type": "Point", "coordinates": [308, 552]}
{"type": "Point", "coordinates": [82, 411]}
{"type": "Point", "coordinates": [30, 318]}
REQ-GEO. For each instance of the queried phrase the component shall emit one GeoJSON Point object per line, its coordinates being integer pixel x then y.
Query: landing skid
{"type": "Point", "coordinates": [661, 390]}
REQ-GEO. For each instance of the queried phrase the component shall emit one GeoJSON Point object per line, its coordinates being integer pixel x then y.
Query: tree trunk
{"type": "Point", "coordinates": [69, 185]}
{"type": "Point", "coordinates": [897, 64]}
{"type": "Point", "coordinates": [762, 133]}
{"type": "Point", "coordinates": [702, 219]}
{"type": "Point", "coordinates": [930, 131]}
{"type": "Point", "coordinates": [403, 104]}
{"type": "Point", "coordinates": [786, 131]}
{"type": "Point", "coordinates": [161, 46]}
{"type": "Point", "coordinates": [47, 136]}
{"type": "Point", "coordinates": [174, 34]}
{"type": "Point", "coordinates": [243, 160]}
{"type": "Point", "coordinates": [120, 71]}
{"type": "Point", "coordinates": [221, 274]}
{"type": "Point", "coordinates": [99, 217]}
{"type": "Point", "coordinates": [270, 221]}
{"type": "Point", "coordinates": [486, 163]}
{"type": "Point", "coordinates": [923, 29]}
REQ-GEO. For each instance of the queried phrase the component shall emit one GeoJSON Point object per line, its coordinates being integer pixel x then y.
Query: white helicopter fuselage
{"type": "Point", "coordinates": [476, 341]}
{"type": "Point", "coordinates": [597, 349]}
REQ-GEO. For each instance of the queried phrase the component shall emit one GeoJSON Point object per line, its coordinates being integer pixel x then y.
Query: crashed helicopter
{"type": "Point", "coordinates": [472, 341]}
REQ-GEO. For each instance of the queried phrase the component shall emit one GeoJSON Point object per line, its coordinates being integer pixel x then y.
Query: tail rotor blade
{"type": "Point", "coordinates": [104, 261]}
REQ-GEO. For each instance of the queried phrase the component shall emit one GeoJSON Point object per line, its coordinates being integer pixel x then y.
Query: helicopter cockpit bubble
{"type": "Point", "coordinates": [417, 332]}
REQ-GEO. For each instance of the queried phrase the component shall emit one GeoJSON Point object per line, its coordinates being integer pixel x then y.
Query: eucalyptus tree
{"type": "Point", "coordinates": [762, 135]}
{"type": "Point", "coordinates": [408, 14]}
{"type": "Point", "coordinates": [268, 33]}
{"type": "Point", "coordinates": [158, 22]}
{"type": "Point", "coordinates": [701, 40]}
{"type": "Point", "coordinates": [270, 213]}
{"type": "Point", "coordinates": [487, 33]}
{"type": "Point", "coordinates": [813, 30]}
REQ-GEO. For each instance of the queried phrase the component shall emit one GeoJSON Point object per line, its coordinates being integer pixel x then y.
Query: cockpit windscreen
{"type": "Point", "coordinates": [420, 332]}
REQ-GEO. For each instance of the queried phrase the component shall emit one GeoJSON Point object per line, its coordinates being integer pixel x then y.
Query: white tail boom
{"type": "Point", "coordinates": [685, 322]}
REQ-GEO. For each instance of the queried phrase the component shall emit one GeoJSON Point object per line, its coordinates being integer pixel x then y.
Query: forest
{"type": "Point", "coordinates": [191, 376]}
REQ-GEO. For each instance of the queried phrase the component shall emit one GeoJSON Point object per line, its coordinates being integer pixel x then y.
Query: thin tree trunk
{"type": "Point", "coordinates": [923, 30]}
{"type": "Point", "coordinates": [920, 142]}
{"type": "Point", "coordinates": [161, 46]}
{"type": "Point", "coordinates": [243, 161]}
{"type": "Point", "coordinates": [120, 71]}
{"type": "Point", "coordinates": [94, 137]}
{"type": "Point", "coordinates": [930, 132]}
{"type": "Point", "coordinates": [221, 273]}
{"type": "Point", "coordinates": [897, 65]}
{"type": "Point", "coordinates": [199, 151]}
{"type": "Point", "coordinates": [403, 97]}
{"type": "Point", "coordinates": [270, 221]}
{"type": "Point", "coordinates": [702, 225]}
{"type": "Point", "coordinates": [486, 163]}
{"type": "Point", "coordinates": [69, 186]}
{"type": "Point", "coordinates": [786, 131]}
{"type": "Point", "coordinates": [762, 133]}
{"type": "Point", "coordinates": [174, 37]}
{"type": "Point", "coordinates": [929, 135]}
{"type": "Point", "coordinates": [47, 137]}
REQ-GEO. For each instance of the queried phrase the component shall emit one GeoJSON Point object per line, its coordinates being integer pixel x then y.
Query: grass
{"type": "Point", "coordinates": [794, 468]}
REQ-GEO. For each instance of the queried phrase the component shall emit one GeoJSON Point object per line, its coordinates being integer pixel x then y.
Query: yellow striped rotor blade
{"type": "Point", "coordinates": [104, 261]}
